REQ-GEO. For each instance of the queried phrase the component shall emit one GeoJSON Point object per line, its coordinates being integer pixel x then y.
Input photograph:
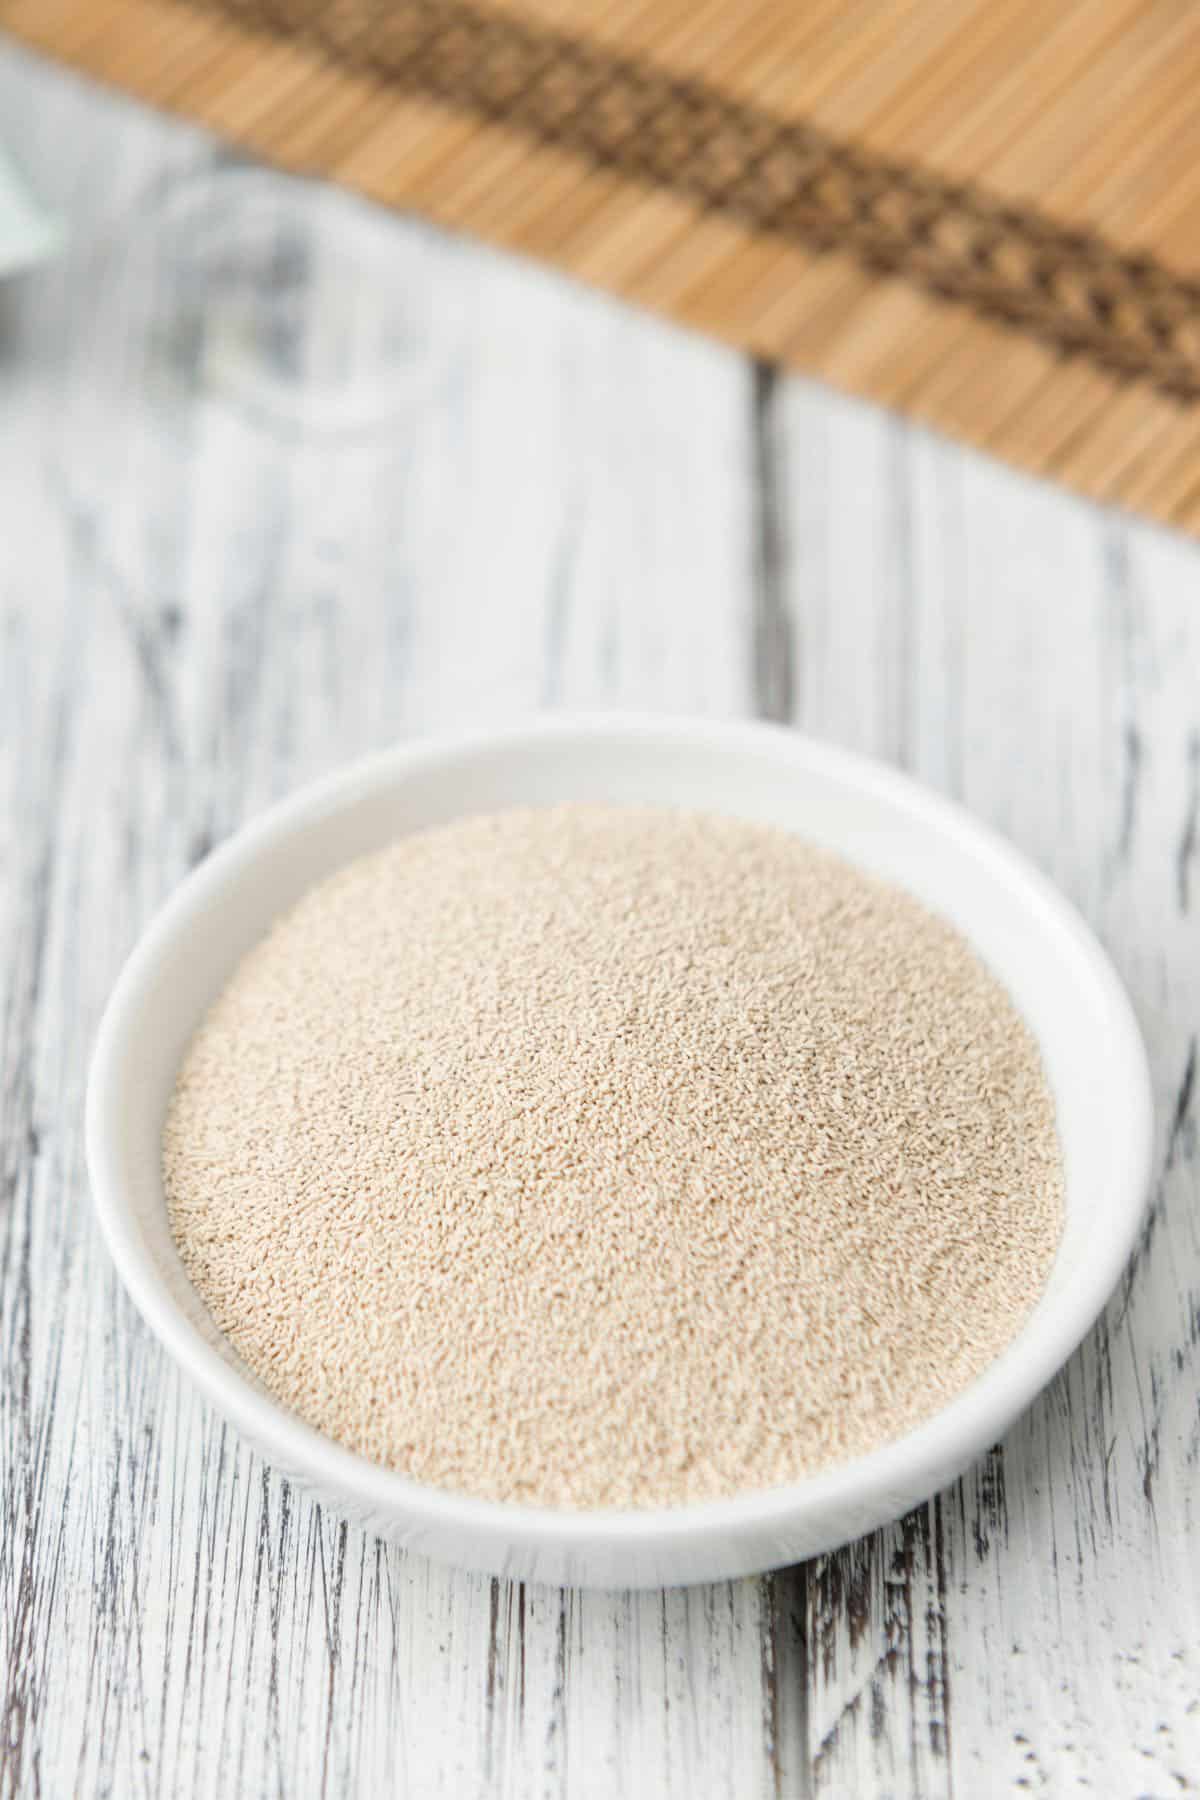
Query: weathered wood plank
{"type": "Point", "coordinates": [1034, 1626]}
{"type": "Point", "coordinates": [569, 486]}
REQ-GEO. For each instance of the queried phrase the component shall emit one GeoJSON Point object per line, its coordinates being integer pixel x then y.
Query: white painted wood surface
{"type": "Point", "coordinates": [579, 507]}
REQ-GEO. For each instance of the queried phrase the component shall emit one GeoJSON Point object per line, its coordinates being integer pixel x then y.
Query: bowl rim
{"type": "Point", "coordinates": [959, 1430]}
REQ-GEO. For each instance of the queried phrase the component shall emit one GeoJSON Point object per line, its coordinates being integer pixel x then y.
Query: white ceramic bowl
{"type": "Point", "coordinates": [1050, 963]}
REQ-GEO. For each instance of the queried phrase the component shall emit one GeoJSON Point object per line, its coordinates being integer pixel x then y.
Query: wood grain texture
{"type": "Point", "coordinates": [577, 508]}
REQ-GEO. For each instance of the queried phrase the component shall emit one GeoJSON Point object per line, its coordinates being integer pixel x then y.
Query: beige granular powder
{"type": "Point", "coordinates": [613, 1157]}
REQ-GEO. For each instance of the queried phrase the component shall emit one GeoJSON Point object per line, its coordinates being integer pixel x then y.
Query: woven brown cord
{"type": "Point", "coordinates": [1070, 289]}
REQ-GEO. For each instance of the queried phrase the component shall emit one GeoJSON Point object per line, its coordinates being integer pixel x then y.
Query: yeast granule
{"type": "Point", "coordinates": [612, 1157]}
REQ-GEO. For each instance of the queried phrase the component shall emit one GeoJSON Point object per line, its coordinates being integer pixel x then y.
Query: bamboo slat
{"type": "Point", "coordinates": [985, 213]}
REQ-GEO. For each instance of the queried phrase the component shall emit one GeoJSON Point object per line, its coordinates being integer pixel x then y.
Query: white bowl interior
{"type": "Point", "coordinates": [1048, 961]}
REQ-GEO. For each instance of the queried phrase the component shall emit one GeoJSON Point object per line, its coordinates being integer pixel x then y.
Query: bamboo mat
{"type": "Point", "coordinates": [985, 213]}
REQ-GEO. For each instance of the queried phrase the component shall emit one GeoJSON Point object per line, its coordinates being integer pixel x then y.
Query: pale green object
{"type": "Point", "coordinates": [27, 232]}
